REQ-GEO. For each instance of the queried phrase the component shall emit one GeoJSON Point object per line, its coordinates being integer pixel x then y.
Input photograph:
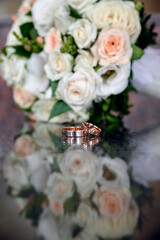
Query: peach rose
{"type": "Point", "coordinates": [112, 47]}
{"type": "Point", "coordinates": [22, 97]}
{"type": "Point", "coordinates": [56, 207]}
{"type": "Point", "coordinates": [24, 145]}
{"type": "Point", "coordinates": [52, 40]}
{"type": "Point", "coordinates": [112, 202]}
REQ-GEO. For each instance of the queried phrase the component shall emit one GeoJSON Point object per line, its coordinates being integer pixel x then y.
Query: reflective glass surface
{"type": "Point", "coordinates": [54, 189]}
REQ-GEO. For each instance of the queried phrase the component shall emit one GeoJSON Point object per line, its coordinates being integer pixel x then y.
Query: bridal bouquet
{"type": "Point", "coordinates": [70, 60]}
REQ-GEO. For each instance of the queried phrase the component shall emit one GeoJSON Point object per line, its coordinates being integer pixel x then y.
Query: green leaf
{"type": "Point", "coordinates": [55, 166]}
{"type": "Point", "coordinates": [54, 87]}
{"type": "Point", "coordinates": [139, 6]}
{"type": "Point", "coordinates": [20, 51]}
{"type": "Point", "coordinates": [25, 193]}
{"type": "Point", "coordinates": [56, 140]}
{"type": "Point", "coordinates": [97, 68]}
{"type": "Point", "coordinates": [59, 108]}
{"type": "Point", "coordinates": [137, 52]}
{"type": "Point", "coordinates": [4, 51]}
{"type": "Point", "coordinates": [74, 13]}
{"type": "Point", "coordinates": [136, 191]}
{"type": "Point", "coordinates": [29, 14]}
{"type": "Point", "coordinates": [33, 33]}
{"type": "Point", "coordinates": [28, 30]}
{"type": "Point", "coordinates": [111, 118]}
{"type": "Point", "coordinates": [72, 203]}
{"type": "Point", "coordinates": [25, 29]}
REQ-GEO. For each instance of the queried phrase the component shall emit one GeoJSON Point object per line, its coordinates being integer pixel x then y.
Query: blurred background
{"type": "Point", "coordinates": [10, 6]}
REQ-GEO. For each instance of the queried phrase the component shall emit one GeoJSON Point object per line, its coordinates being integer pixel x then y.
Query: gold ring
{"type": "Point", "coordinates": [90, 128]}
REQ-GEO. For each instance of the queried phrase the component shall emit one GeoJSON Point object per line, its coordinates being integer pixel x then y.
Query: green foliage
{"type": "Point", "coordinates": [59, 108]}
{"type": "Point", "coordinates": [29, 14]}
{"type": "Point", "coordinates": [137, 52]}
{"type": "Point", "coordinates": [55, 166]}
{"type": "Point", "coordinates": [69, 46]}
{"type": "Point", "coordinates": [117, 104]}
{"type": "Point", "coordinates": [72, 203]}
{"type": "Point", "coordinates": [56, 140]}
{"type": "Point", "coordinates": [34, 209]}
{"type": "Point", "coordinates": [28, 30]}
{"type": "Point", "coordinates": [74, 13]}
{"type": "Point", "coordinates": [148, 35]}
{"type": "Point", "coordinates": [139, 6]}
{"type": "Point", "coordinates": [54, 87]}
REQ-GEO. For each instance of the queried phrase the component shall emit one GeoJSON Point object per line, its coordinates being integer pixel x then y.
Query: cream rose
{"type": "Point", "coordinates": [118, 227]}
{"type": "Point", "coordinates": [13, 69]}
{"type": "Point", "coordinates": [81, 166]}
{"type": "Point", "coordinates": [58, 65]}
{"type": "Point", "coordinates": [112, 202]}
{"type": "Point", "coordinates": [112, 47]}
{"type": "Point", "coordinates": [23, 98]}
{"type": "Point", "coordinates": [78, 89]}
{"type": "Point", "coordinates": [50, 13]}
{"type": "Point", "coordinates": [84, 58]}
{"type": "Point", "coordinates": [114, 173]}
{"type": "Point", "coordinates": [81, 5]}
{"type": "Point", "coordinates": [52, 40]}
{"type": "Point", "coordinates": [83, 32]}
{"type": "Point", "coordinates": [118, 14]}
{"type": "Point", "coordinates": [24, 145]}
{"type": "Point", "coordinates": [114, 79]}
{"type": "Point", "coordinates": [59, 187]}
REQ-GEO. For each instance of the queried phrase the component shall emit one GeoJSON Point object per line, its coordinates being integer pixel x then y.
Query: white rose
{"type": "Point", "coordinates": [84, 58]}
{"type": "Point", "coordinates": [36, 80]}
{"type": "Point", "coordinates": [119, 14]}
{"type": "Point", "coordinates": [59, 187]}
{"type": "Point", "coordinates": [13, 69]}
{"type": "Point", "coordinates": [58, 65]}
{"type": "Point", "coordinates": [78, 89]}
{"type": "Point", "coordinates": [81, 5]}
{"type": "Point", "coordinates": [114, 79]}
{"type": "Point", "coordinates": [114, 173]}
{"type": "Point", "coordinates": [85, 215]}
{"type": "Point", "coordinates": [49, 13]}
{"type": "Point", "coordinates": [48, 226]}
{"type": "Point", "coordinates": [83, 32]}
{"type": "Point", "coordinates": [39, 169]}
{"type": "Point", "coordinates": [117, 227]}
{"type": "Point", "coordinates": [16, 173]}
{"type": "Point", "coordinates": [42, 110]}
{"type": "Point", "coordinates": [81, 166]}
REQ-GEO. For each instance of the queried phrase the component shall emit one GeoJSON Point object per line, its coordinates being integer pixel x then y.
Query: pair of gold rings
{"type": "Point", "coordinates": [80, 135]}
{"type": "Point", "coordinates": [82, 131]}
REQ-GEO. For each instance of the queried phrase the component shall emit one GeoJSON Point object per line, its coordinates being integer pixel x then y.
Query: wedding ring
{"type": "Point", "coordinates": [91, 142]}
{"type": "Point", "coordinates": [73, 140]}
{"type": "Point", "coordinates": [90, 128]}
{"type": "Point", "coordinates": [74, 132]}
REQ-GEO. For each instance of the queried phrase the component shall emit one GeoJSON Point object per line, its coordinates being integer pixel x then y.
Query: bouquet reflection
{"type": "Point", "coordinates": [70, 191]}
